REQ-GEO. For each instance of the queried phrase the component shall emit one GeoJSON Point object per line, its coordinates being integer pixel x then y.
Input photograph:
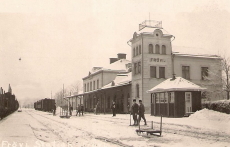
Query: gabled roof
{"type": "Point", "coordinates": [177, 84]}
{"type": "Point", "coordinates": [120, 80]}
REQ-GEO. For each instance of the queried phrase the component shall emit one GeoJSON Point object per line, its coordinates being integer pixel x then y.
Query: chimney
{"type": "Point", "coordinates": [112, 60]}
{"type": "Point", "coordinates": [121, 56]}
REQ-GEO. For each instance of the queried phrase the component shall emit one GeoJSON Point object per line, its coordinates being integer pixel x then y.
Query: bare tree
{"type": "Point", "coordinates": [75, 88]}
{"type": "Point", "coordinates": [226, 72]}
{"type": "Point", "coordinates": [70, 90]}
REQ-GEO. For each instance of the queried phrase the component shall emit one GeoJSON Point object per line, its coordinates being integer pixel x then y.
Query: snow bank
{"type": "Point", "coordinates": [206, 114]}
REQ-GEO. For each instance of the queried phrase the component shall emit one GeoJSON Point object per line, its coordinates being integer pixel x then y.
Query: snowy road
{"type": "Point", "coordinates": [35, 128]}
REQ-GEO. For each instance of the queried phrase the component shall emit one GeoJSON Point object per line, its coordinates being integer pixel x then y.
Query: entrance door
{"type": "Point", "coordinates": [188, 102]}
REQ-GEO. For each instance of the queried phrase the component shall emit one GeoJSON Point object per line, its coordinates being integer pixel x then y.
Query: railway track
{"type": "Point", "coordinates": [168, 128]}
{"type": "Point", "coordinates": [85, 135]}
{"type": "Point", "coordinates": [184, 130]}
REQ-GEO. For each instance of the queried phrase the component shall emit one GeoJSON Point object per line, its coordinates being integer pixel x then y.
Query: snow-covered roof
{"type": "Point", "coordinates": [120, 80]}
{"type": "Point", "coordinates": [177, 84]}
{"type": "Point", "coordinates": [120, 65]}
{"type": "Point", "coordinates": [192, 52]}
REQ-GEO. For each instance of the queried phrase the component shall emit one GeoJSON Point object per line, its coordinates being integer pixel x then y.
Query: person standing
{"type": "Point", "coordinates": [78, 110]}
{"type": "Point", "coordinates": [54, 109]}
{"type": "Point", "coordinates": [134, 111]}
{"type": "Point", "coordinates": [141, 112]}
{"type": "Point", "coordinates": [82, 109]}
{"type": "Point", "coordinates": [113, 107]}
{"type": "Point", "coordinates": [70, 110]}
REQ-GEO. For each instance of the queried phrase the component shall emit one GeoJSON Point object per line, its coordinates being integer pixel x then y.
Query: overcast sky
{"type": "Point", "coordinates": [60, 41]}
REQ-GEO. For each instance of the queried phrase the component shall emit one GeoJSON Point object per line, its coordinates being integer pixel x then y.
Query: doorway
{"type": "Point", "coordinates": [188, 102]}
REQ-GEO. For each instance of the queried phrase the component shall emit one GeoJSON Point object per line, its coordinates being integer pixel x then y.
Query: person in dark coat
{"type": "Point", "coordinates": [141, 112]}
{"type": "Point", "coordinates": [113, 107]}
{"type": "Point", "coordinates": [54, 109]}
{"type": "Point", "coordinates": [82, 109]}
{"type": "Point", "coordinates": [78, 110]}
{"type": "Point", "coordinates": [70, 110]}
{"type": "Point", "coordinates": [134, 111]}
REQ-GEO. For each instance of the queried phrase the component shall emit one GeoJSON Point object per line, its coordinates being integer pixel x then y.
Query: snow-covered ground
{"type": "Point", "coordinates": [37, 129]}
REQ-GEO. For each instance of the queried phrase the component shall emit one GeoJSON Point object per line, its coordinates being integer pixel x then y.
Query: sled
{"type": "Point", "coordinates": [151, 130]}
{"type": "Point", "coordinates": [64, 113]}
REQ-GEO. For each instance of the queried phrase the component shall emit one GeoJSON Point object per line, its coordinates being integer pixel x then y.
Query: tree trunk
{"type": "Point", "coordinates": [227, 95]}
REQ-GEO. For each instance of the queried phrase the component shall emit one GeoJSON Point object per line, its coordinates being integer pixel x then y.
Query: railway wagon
{"type": "Point", "coordinates": [8, 103]}
{"type": "Point", "coordinates": [44, 105]}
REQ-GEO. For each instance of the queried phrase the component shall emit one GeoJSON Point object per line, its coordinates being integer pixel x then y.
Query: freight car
{"type": "Point", "coordinates": [8, 102]}
{"type": "Point", "coordinates": [44, 105]}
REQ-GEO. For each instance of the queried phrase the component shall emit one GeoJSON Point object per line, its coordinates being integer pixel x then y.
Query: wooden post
{"type": "Point", "coordinates": [152, 124]}
{"type": "Point", "coordinates": [161, 126]}
{"type": "Point", "coordinates": [130, 120]}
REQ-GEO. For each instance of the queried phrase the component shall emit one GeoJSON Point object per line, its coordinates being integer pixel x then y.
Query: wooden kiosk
{"type": "Point", "coordinates": [175, 97]}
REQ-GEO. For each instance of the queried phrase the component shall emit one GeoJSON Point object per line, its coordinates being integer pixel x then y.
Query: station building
{"type": "Point", "coordinates": [153, 61]}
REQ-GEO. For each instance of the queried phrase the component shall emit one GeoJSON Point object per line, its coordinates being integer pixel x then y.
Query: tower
{"type": "Point", "coordinates": [9, 89]}
{"type": "Point", "coordinates": [151, 60]}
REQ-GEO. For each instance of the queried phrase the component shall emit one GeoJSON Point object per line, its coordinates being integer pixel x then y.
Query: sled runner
{"type": "Point", "coordinates": [151, 130]}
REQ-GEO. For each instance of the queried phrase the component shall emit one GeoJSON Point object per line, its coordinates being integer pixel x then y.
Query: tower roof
{"type": "Point", "coordinates": [9, 89]}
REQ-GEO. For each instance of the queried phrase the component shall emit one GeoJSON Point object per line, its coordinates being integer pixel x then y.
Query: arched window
{"type": "Point", "coordinates": [137, 90]}
{"type": "Point", "coordinates": [139, 49]}
{"type": "Point", "coordinates": [133, 52]}
{"type": "Point", "coordinates": [150, 48]}
{"type": "Point", "coordinates": [157, 47]}
{"type": "Point", "coordinates": [163, 49]}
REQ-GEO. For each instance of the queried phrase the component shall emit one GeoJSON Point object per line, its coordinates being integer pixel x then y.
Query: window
{"type": "Point", "coordinates": [97, 84]}
{"type": "Point", "coordinates": [137, 91]}
{"type": "Point", "coordinates": [171, 97]}
{"type": "Point", "coordinates": [161, 72]}
{"type": "Point", "coordinates": [157, 47]}
{"type": "Point", "coordinates": [150, 48]}
{"type": "Point", "coordinates": [93, 85]}
{"type": "Point", "coordinates": [163, 50]}
{"type": "Point", "coordinates": [90, 86]}
{"type": "Point", "coordinates": [187, 97]}
{"type": "Point", "coordinates": [85, 88]}
{"type": "Point", "coordinates": [133, 52]}
{"type": "Point", "coordinates": [162, 98]}
{"type": "Point", "coordinates": [157, 98]}
{"type": "Point", "coordinates": [153, 98]}
{"type": "Point", "coordinates": [185, 72]}
{"type": "Point", "coordinates": [139, 67]}
{"type": "Point", "coordinates": [135, 68]}
{"type": "Point", "coordinates": [139, 49]}
{"type": "Point", "coordinates": [204, 73]}
{"type": "Point", "coordinates": [166, 97]}
{"type": "Point", "coordinates": [153, 72]}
